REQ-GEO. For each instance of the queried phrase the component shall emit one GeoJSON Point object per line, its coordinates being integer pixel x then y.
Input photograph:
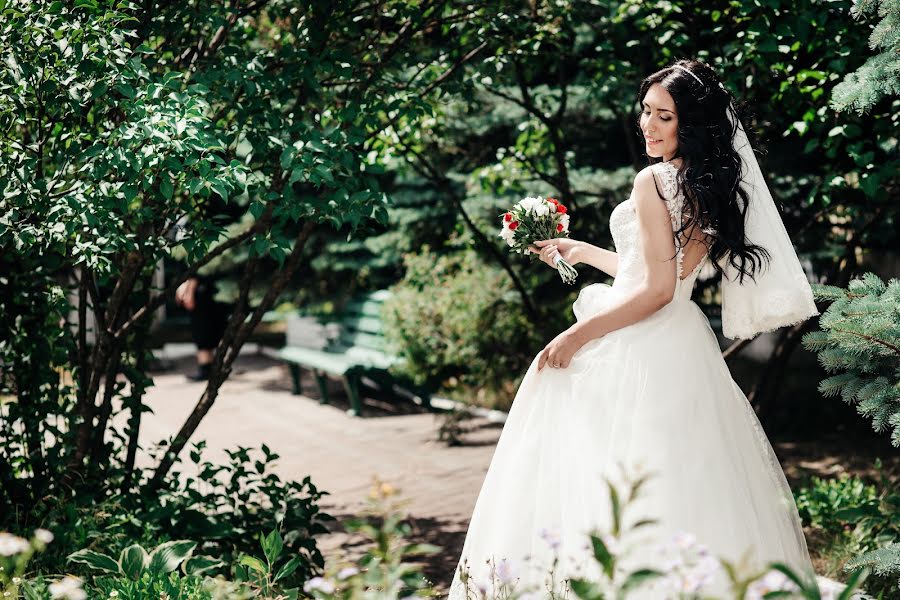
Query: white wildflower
{"type": "Point", "coordinates": [43, 536]}
{"type": "Point", "coordinates": [773, 581]}
{"type": "Point", "coordinates": [684, 540]}
{"type": "Point", "coordinates": [319, 583]}
{"type": "Point", "coordinates": [505, 572]}
{"type": "Point", "coordinates": [10, 544]}
{"type": "Point", "coordinates": [17, 581]}
{"type": "Point", "coordinates": [347, 572]}
{"type": "Point", "coordinates": [67, 588]}
{"type": "Point", "coordinates": [552, 537]}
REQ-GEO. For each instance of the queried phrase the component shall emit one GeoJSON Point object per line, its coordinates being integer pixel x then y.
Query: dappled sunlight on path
{"type": "Point", "coordinates": [341, 453]}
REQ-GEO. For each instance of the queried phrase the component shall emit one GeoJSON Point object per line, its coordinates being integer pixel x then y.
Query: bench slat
{"type": "Point", "coordinates": [337, 364]}
{"type": "Point", "coordinates": [359, 338]}
{"type": "Point", "coordinates": [365, 308]}
{"type": "Point", "coordinates": [365, 324]}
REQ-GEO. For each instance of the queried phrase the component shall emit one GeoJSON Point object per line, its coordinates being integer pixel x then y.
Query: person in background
{"type": "Point", "coordinates": [208, 320]}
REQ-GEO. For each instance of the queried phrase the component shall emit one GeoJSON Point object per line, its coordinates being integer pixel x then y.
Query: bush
{"type": "Point", "coordinates": [825, 500]}
{"type": "Point", "coordinates": [460, 328]}
{"type": "Point", "coordinates": [859, 526]}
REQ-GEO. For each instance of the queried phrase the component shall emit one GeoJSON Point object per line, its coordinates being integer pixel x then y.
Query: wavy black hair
{"type": "Point", "coordinates": [710, 173]}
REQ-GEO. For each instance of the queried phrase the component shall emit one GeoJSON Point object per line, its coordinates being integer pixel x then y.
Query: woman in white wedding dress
{"type": "Point", "coordinates": [639, 379]}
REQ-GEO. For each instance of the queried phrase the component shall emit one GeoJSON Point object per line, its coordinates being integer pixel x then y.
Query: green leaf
{"type": "Point", "coordinates": [132, 561]}
{"type": "Point", "coordinates": [166, 188]}
{"type": "Point", "coordinates": [638, 578]}
{"type": "Point", "coordinates": [853, 584]}
{"type": "Point", "coordinates": [586, 590]}
{"type": "Point", "coordinates": [254, 563]}
{"type": "Point", "coordinates": [616, 508]}
{"type": "Point", "coordinates": [93, 151]}
{"type": "Point", "coordinates": [603, 555]}
{"type": "Point", "coordinates": [27, 588]}
{"type": "Point", "coordinates": [272, 546]}
{"type": "Point", "coordinates": [200, 565]}
{"type": "Point", "coordinates": [288, 568]}
{"type": "Point", "coordinates": [166, 557]}
{"type": "Point", "coordinates": [95, 560]}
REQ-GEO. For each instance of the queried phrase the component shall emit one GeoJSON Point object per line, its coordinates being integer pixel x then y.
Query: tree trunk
{"type": "Point", "coordinates": [227, 352]}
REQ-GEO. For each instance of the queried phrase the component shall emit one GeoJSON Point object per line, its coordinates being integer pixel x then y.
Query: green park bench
{"type": "Point", "coordinates": [357, 352]}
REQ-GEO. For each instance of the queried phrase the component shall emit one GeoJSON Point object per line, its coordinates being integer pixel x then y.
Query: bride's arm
{"type": "Point", "coordinates": [655, 291]}
{"type": "Point", "coordinates": [576, 252]}
{"type": "Point", "coordinates": [658, 286]}
{"type": "Point", "coordinates": [599, 258]}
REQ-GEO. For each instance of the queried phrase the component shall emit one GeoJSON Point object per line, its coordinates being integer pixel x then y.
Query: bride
{"type": "Point", "coordinates": [639, 379]}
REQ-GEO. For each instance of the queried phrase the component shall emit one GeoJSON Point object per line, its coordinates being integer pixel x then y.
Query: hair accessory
{"type": "Point", "coordinates": [688, 71]}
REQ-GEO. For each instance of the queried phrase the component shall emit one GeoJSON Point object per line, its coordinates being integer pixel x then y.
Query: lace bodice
{"type": "Point", "coordinates": [624, 228]}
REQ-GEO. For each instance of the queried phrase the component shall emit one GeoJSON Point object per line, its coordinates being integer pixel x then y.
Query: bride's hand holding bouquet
{"type": "Point", "coordinates": [535, 222]}
{"type": "Point", "coordinates": [549, 250]}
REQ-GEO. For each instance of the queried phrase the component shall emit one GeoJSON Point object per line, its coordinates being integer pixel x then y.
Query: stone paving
{"type": "Point", "coordinates": [341, 453]}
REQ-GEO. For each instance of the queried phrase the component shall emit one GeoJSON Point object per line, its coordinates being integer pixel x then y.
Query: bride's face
{"type": "Point", "coordinates": [659, 123]}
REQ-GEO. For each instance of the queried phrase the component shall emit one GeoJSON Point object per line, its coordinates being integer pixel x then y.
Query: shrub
{"type": "Point", "coordinates": [460, 328]}
{"type": "Point", "coordinates": [859, 521]}
{"type": "Point", "coordinates": [825, 500]}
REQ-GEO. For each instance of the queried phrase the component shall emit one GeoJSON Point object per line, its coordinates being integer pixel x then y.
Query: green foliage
{"type": "Point", "coordinates": [858, 520]}
{"type": "Point", "coordinates": [884, 562]}
{"type": "Point", "coordinates": [134, 561]}
{"type": "Point", "coordinates": [224, 505]}
{"type": "Point", "coordinates": [457, 323]}
{"type": "Point", "coordinates": [825, 502]}
{"type": "Point", "coordinates": [879, 76]}
{"type": "Point", "coordinates": [860, 344]}
{"type": "Point", "coordinates": [16, 554]}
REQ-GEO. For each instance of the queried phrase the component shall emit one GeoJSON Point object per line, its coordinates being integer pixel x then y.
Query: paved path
{"type": "Point", "coordinates": [341, 453]}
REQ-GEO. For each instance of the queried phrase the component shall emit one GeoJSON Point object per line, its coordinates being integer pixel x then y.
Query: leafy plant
{"type": "Point", "coordinates": [860, 522]}
{"type": "Point", "coordinates": [265, 574]}
{"type": "Point", "coordinates": [456, 333]}
{"type": "Point", "coordinates": [134, 561]}
{"type": "Point", "coordinates": [225, 505]}
{"type": "Point", "coordinates": [826, 503]}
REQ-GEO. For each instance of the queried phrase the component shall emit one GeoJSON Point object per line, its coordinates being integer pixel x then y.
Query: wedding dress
{"type": "Point", "coordinates": [657, 395]}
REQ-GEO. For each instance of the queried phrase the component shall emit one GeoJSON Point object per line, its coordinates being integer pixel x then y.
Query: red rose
{"type": "Point", "coordinates": [514, 224]}
{"type": "Point", "coordinates": [553, 200]}
{"type": "Point", "coordinates": [561, 209]}
{"type": "Point", "coordinates": [559, 227]}
{"type": "Point", "coordinates": [507, 217]}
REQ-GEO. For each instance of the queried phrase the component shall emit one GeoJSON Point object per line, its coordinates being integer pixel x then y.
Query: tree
{"type": "Point", "coordinates": [879, 76]}
{"type": "Point", "coordinates": [125, 123]}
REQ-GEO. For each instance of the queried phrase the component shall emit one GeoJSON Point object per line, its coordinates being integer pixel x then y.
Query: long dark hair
{"type": "Point", "coordinates": [710, 173]}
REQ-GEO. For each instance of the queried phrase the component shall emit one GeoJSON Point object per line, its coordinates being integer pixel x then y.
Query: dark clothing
{"type": "Point", "coordinates": [209, 317]}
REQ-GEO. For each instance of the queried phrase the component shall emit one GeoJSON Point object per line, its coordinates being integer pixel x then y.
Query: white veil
{"type": "Point", "coordinates": [781, 294]}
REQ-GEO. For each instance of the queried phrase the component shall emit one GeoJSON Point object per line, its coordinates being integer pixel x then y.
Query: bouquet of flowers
{"type": "Point", "coordinates": [533, 219]}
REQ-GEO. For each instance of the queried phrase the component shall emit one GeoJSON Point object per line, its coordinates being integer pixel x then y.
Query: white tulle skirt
{"type": "Point", "coordinates": [655, 396]}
